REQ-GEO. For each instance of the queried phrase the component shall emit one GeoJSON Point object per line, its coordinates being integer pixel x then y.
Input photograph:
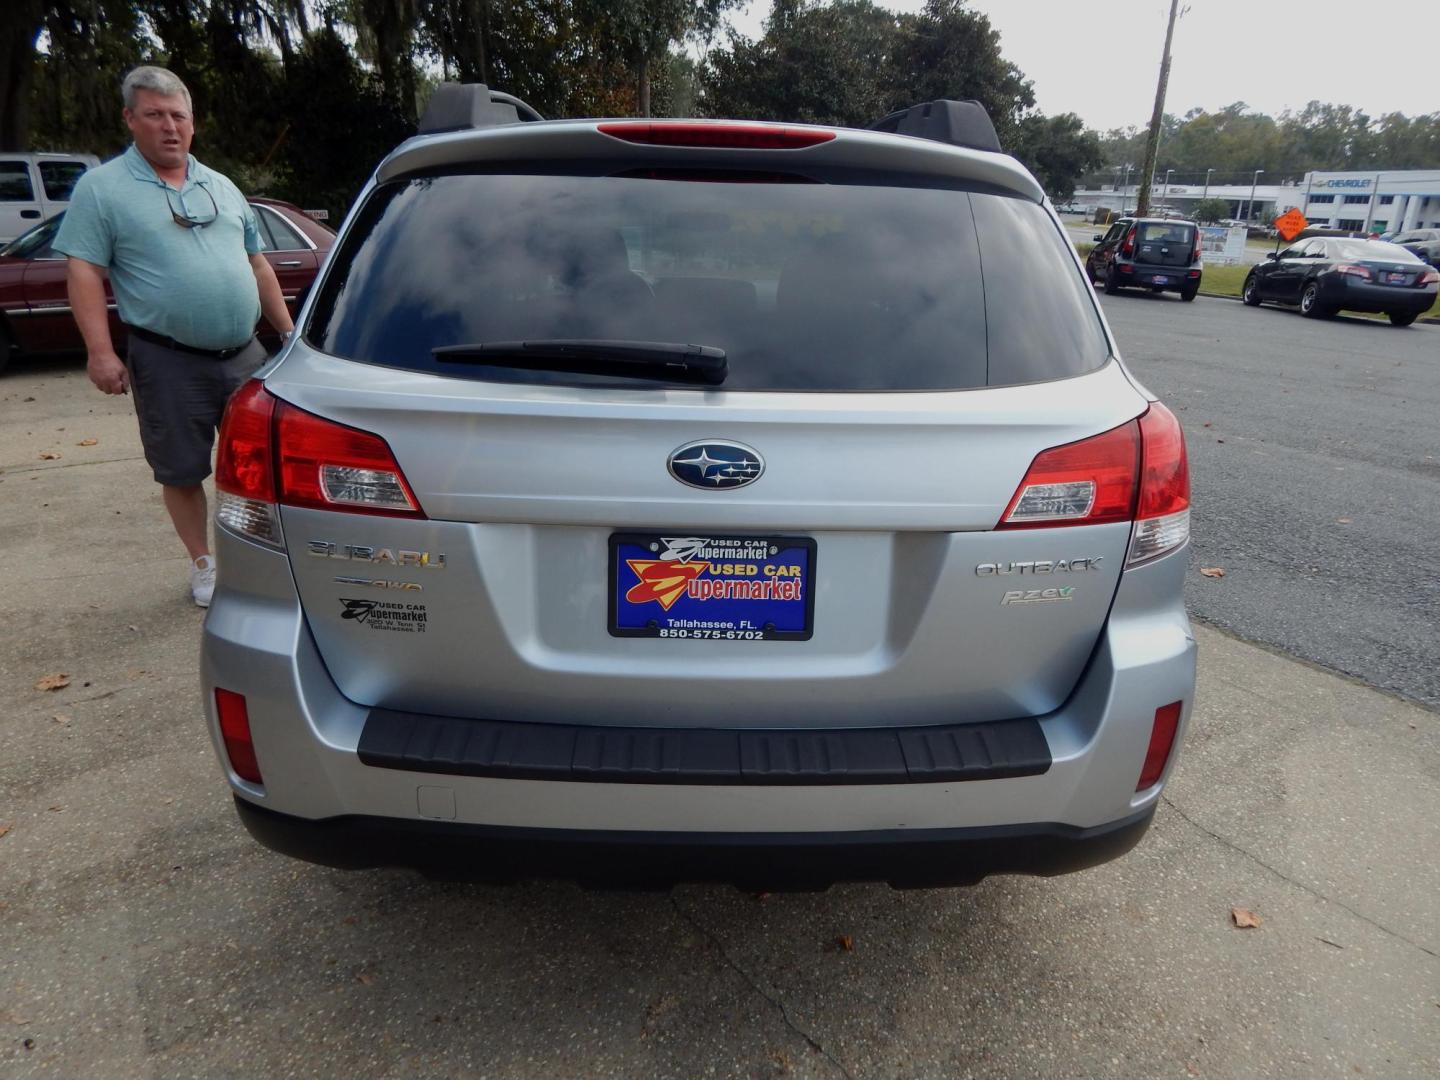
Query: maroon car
{"type": "Point", "coordinates": [35, 314]}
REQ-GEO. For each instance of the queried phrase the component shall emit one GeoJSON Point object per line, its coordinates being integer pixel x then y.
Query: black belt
{"type": "Point", "coordinates": [179, 346]}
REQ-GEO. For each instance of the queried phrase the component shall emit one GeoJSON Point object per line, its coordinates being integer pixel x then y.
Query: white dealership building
{"type": "Point", "coordinates": [1372, 201]}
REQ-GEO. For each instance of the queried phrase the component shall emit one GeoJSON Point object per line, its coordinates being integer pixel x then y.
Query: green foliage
{"type": "Point", "coordinates": [820, 65]}
{"type": "Point", "coordinates": [1211, 210]}
{"type": "Point", "coordinates": [1058, 150]}
{"type": "Point", "coordinates": [1234, 141]}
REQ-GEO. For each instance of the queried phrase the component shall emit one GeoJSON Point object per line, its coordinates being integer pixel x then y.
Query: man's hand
{"type": "Point", "coordinates": [107, 371]}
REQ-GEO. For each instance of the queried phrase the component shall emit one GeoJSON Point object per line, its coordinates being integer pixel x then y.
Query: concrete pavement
{"type": "Point", "coordinates": [143, 934]}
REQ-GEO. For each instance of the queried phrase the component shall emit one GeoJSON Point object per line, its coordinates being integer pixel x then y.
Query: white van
{"type": "Point", "coordinates": [36, 187]}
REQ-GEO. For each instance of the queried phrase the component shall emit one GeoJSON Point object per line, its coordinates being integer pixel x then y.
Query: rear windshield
{"type": "Point", "coordinates": [1165, 232]}
{"type": "Point", "coordinates": [1371, 249]}
{"type": "Point", "coordinates": [805, 285]}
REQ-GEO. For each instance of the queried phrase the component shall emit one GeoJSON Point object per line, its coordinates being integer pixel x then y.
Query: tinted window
{"type": "Point", "coordinates": [805, 285]}
{"type": "Point", "coordinates": [15, 182]}
{"type": "Point", "coordinates": [59, 177]}
{"type": "Point", "coordinates": [1372, 249]}
{"type": "Point", "coordinates": [281, 231]}
{"type": "Point", "coordinates": [1153, 232]}
{"type": "Point", "coordinates": [35, 244]}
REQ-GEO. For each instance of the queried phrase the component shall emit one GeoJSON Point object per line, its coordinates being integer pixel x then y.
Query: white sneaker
{"type": "Point", "coordinates": [202, 580]}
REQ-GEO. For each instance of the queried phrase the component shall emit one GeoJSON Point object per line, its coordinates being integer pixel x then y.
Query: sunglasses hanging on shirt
{"type": "Point", "coordinates": [186, 222]}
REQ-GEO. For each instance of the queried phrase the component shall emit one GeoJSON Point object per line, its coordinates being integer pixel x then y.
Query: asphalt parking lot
{"type": "Point", "coordinates": [143, 934]}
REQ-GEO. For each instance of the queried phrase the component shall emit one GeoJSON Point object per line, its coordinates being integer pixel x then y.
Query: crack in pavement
{"type": "Point", "coordinates": [20, 470]}
{"type": "Point", "coordinates": [779, 1005]}
{"type": "Point", "coordinates": [1291, 881]}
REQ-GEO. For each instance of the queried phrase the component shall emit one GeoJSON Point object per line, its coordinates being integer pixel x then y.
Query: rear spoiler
{"type": "Point", "coordinates": [959, 123]}
{"type": "Point", "coordinates": [470, 107]}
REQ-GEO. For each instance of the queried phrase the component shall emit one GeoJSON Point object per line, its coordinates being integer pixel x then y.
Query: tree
{"type": "Point", "coordinates": [1211, 210]}
{"type": "Point", "coordinates": [639, 33]}
{"type": "Point", "coordinates": [819, 65]}
{"type": "Point", "coordinates": [1058, 150]}
{"type": "Point", "coordinates": [948, 51]}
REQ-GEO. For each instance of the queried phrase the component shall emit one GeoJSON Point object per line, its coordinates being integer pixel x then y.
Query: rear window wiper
{"type": "Point", "coordinates": [596, 356]}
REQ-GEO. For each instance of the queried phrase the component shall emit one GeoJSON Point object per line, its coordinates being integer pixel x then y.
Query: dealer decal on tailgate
{"type": "Point", "coordinates": [711, 588]}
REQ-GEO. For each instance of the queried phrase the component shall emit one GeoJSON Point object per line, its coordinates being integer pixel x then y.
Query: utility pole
{"type": "Point", "coordinates": [1152, 145]}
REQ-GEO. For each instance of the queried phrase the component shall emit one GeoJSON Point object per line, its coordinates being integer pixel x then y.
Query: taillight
{"type": "Point", "coordinates": [1081, 483]}
{"type": "Point", "coordinates": [1430, 277]}
{"type": "Point", "coordinates": [1195, 255]}
{"type": "Point", "coordinates": [1136, 472]}
{"type": "Point", "coordinates": [1162, 512]}
{"type": "Point", "coordinates": [328, 466]}
{"type": "Point", "coordinates": [272, 453]}
{"type": "Point", "coordinates": [235, 732]}
{"type": "Point", "coordinates": [1162, 741]}
{"type": "Point", "coordinates": [1352, 270]}
{"type": "Point", "coordinates": [245, 466]}
{"type": "Point", "coordinates": [1127, 248]}
{"type": "Point", "coordinates": [726, 135]}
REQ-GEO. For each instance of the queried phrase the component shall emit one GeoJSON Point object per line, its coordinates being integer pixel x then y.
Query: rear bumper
{"type": "Point", "coordinates": [1356, 295]}
{"type": "Point", "coordinates": [1072, 805]}
{"type": "Point", "coordinates": [905, 858]}
{"type": "Point", "coordinates": [1177, 278]}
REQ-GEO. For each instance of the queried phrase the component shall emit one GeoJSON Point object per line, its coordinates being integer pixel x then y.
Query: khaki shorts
{"type": "Point", "coordinates": [179, 400]}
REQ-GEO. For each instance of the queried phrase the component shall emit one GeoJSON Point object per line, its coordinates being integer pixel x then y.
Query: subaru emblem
{"type": "Point", "coordinates": [712, 465]}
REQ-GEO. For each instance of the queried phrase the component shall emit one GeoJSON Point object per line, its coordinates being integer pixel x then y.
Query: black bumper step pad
{"type": "Point", "coordinates": [577, 752]}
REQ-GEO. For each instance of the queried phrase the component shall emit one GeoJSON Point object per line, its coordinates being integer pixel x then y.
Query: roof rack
{"type": "Point", "coordinates": [960, 123]}
{"type": "Point", "coordinates": [470, 106]}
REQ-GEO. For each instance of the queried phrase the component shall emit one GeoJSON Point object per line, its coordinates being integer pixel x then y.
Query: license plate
{"type": "Point", "coordinates": [1160, 279]}
{"type": "Point", "coordinates": [698, 587]}
{"type": "Point", "coordinates": [1396, 279]}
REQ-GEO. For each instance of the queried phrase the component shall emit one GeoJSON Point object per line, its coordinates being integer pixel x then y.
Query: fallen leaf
{"type": "Point", "coordinates": [136, 629]}
{"type": "Point", "coordinates": [4, 829]}
{"type": "Point", "coordinates": [1211, 571]}
{"type": "Point", "coordinates": [1343, 521]}
{"type": "Point", "coordinates": [87, 442]}
{"type": "Point", "coordinates": [845, 943]}
{"type": "Point", "coordinates": [58, 681]}
{"type": "Point", "coordinates": [350, 920]}
{"type": "Point", "coordinates": [1207, 423]}
{"type": "Point", "coordinates": [49, 455]}
{"type": "Point", "coordinates": [1244, 919]}
{"type": "Point", "coordinates": [56, 809]}
{"type": "Point", "coordinates": [60, 718]}
{"type": "Point", "coordinates": [366, 978]}
{"type": "Point", "coordinates": [1219, 440]}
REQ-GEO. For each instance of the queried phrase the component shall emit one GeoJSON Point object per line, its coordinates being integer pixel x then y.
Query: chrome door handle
{"type": "Point", "coordinates": [289, 262]}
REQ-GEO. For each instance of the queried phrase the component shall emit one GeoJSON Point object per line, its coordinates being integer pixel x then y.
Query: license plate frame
{"type": "Point", "coordinates": [749, 618]}
{"type": "Point", "coordinates": [1396, 277]}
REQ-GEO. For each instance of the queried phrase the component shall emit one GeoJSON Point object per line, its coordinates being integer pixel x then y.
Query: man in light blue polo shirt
{"type": "Point", "coordinates": [182, 251]}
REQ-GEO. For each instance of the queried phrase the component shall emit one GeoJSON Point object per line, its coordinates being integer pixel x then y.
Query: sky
{"type": "Point", "coordinates": [1100, 58]}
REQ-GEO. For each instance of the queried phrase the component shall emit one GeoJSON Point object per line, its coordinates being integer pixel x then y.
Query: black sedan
{"type": "Point", "coordinates": [1323, 275]}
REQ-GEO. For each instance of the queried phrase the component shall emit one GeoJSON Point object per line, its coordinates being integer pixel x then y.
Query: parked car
{"type": "Point", "coordinates": [1322, 276]}
{"type": "Point", "coordinates": [35, 308]}
{"type": "Point", "coordinates": [1151, 253]}
{"type": "Point", "coordinates": [721, 500]}
{"type": "Point", "coordinates": [1422, 243]}
{"type": "Point", "coordinates": [35, 187]}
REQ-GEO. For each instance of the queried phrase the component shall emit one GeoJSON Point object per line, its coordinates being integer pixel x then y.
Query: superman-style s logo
{"type": "Point", "coordinates": [661, 580]}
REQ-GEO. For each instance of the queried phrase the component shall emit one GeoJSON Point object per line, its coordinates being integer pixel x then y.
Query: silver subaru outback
{"type": "Point", "coordinates": [648, 501]}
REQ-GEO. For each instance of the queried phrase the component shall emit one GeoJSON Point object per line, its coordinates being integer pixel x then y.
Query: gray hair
{"type": "Point", "coordinates": [157, 80]}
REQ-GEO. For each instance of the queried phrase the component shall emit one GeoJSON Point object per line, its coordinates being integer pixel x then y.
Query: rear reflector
{"type": "Point", "coordinates": [1162, 741]}
{"type": "Point", "coordinates": [1089, 482]}
{"type": "Point", "coordinates": [235, 731]}
{"type": "Point", "coordinates": [722, 135]}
